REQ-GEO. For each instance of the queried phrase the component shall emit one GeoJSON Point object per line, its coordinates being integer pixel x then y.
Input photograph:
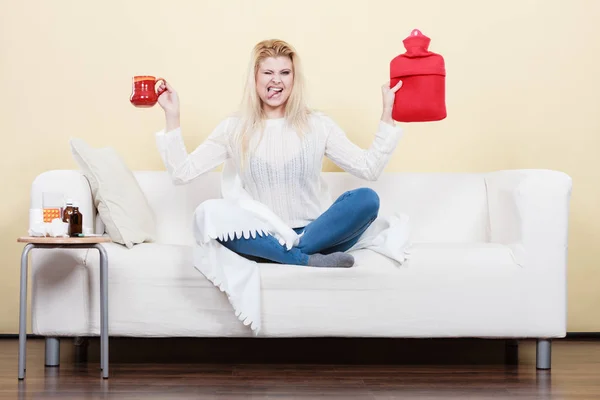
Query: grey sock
{"type": "Point", "coordinates": [333, 260]}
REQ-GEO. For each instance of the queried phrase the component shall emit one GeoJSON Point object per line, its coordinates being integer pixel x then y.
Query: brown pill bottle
{"type": "Point", "coordinates": [75, 221]}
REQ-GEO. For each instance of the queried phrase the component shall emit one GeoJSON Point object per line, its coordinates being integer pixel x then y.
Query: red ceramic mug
{"type": "Point", "coordinates": [143, 93]}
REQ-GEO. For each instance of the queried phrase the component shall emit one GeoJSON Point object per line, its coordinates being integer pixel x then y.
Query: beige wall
{"type": "Point", "coordinates": [522, 91]}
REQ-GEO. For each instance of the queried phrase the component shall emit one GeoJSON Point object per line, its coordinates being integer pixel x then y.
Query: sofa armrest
{"type": "Point", "coordinates": [72, 184]}
{"type": "Point", "coordinates": [529, 213]}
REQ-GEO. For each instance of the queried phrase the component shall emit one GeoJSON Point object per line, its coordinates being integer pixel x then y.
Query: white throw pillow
{"type": "Point", "coordinates": [121, 204]}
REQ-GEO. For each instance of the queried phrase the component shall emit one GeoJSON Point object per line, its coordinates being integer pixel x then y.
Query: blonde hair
{"type": "Point", "coordinates": [252, 115]}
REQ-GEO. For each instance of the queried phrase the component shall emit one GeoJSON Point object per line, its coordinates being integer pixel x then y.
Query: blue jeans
{"type": "Point", "coordinates": [337, 229]}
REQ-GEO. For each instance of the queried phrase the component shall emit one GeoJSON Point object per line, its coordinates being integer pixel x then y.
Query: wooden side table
{"type": "Point", "coordinates": [89, 242]}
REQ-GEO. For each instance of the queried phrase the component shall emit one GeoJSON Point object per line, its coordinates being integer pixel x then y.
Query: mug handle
{"type": "Point", "coordinates": [160, 91]}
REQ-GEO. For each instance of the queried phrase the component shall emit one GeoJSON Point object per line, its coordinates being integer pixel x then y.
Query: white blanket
{"type": "Point", "coordinates": [237, 215]}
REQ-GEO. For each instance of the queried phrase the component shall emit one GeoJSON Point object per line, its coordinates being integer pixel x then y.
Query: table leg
{"type": "Point", "coordinates": [103, 310]}
{"type": "Point", "coordinates": [23, 310]}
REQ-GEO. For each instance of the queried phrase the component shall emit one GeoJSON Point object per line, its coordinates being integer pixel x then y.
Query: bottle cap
{"type": "Point", "coordinates": [69, 201]}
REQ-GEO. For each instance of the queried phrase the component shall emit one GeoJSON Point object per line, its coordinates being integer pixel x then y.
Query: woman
{"type": "Point", "coordinates": [277, 146]}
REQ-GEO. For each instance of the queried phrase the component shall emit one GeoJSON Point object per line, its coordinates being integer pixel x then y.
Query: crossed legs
{"type": "Point", "coordinates": [324, 240]}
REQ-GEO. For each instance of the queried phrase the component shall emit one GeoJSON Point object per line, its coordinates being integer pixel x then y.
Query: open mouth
{"type": "Point", "coordinates": [274, 92]}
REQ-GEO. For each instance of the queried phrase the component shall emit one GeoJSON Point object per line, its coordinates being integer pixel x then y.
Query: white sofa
{"type": "Point", "coordinates": [488, 260]}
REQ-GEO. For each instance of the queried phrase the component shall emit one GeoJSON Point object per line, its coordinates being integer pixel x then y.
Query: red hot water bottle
{"type": "Point", "coordinates": [422, 97]}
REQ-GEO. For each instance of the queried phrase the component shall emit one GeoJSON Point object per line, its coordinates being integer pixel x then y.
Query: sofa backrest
{"type": "Point", "coordinates": [443, 207]}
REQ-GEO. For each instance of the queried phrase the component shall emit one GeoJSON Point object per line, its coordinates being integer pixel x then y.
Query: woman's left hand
{"type": "Point", "coordinates": [388, 95]}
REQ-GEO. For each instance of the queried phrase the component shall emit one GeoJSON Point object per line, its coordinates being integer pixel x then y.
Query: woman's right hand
{"type": "Point", "coordinates": [169, 101]}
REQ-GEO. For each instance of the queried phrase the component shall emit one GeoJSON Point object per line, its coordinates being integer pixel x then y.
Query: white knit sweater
{"type": "Point", "coordinates": [284, 172]}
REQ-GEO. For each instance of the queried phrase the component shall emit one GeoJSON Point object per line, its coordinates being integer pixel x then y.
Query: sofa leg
{"type": "Point", "coordinates": [511, 352]}
{"type": "Point", "coordinates": [81, 350]}
{"type": "Point", "coordinates": [543, 354]}
{"type": "Point", "coordinates": [52, 352]}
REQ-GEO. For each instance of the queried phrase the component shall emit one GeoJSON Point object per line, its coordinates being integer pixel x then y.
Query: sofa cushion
{"type": "Point", "coordinates": [443, 207]}
{"type": "Point", "coordinates": [427, 261]}
{"type": "Point", "coordinates": [121, 204]}
{"type": "Point", "coordinates": [174, 205]}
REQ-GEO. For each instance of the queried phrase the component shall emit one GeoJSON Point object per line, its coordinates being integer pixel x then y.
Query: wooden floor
{"type": "Point", "coordinates": [575, 375]}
